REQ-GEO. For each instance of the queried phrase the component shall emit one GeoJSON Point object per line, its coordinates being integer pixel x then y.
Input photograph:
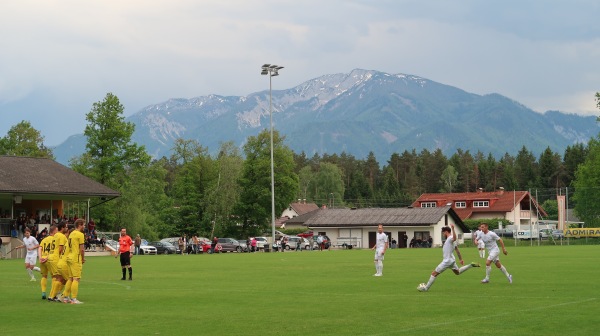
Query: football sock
{"type": "Point", "coordinates": [124, 272]}
{"type": "Point", "coordinates": [67, 290]}
{"type": "Point", "coordinates": [35, 268]}
{"type": "Point", "coordinates": [380, 266]}
{"type": "Point", "coordinates": [130, 272]}
{"type": "Point", "coordinates": [464, 268]}
{"type": "Point", "coordinates": [504, 271]}
{"type": "Point", "coordinates": [430, 282]}
{"type": "Point", "coordinates": [488, 270]}
{"type": "Point", "coordinates": [74, 289]}
{"type": "Point", "coordinates": [44, 284]}
{"type": "Point", "coordinates": [29, 272]}
{"type": "Point", "coordinates": [53, 288]}
{"type": "Point", "coordinates": [376, 268]}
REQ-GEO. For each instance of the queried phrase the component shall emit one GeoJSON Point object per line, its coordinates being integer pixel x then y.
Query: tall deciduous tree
{"type": "Point", "coordinates": [254, 207]}
{"type": "Point", "coordinates": [110, 157]}
{"type": "Point", "coordinates": [109, 150]}
{"type": "Point", "coordinates": [24, 140]}
{"type": "Point", "coordinates": [449, 179]}
{"type": "Point", "coordinates": [327, 185]}
{"type": "Point", "coordinates": [223, 194]}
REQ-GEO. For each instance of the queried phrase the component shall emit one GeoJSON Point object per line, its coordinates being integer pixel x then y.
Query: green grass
{"type": "Point", "coordinates": [555, 291]}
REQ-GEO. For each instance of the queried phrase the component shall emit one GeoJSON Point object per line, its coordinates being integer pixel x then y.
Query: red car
{"type": "Point", "coordinates": [307, 234]}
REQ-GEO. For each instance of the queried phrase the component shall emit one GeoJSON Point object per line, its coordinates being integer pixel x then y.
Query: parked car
{"type": "Point", "coordinates": [504, 233]}
{"type": "Point", "coordinates": [294, 241]}
{"type": "Point", "coordinates": [326, 240]}
{"type": "Point", "coordinates": [558, 234]}
{"type": "Point", "coordinates": [174, 241]}
{"type": "Point", "coordinates": [145, 248]}
{"type": "Point", "coordinates": [229, 245]}
{"type": "Point", "coordinates": [261, 242]}
{"type": "Point", "coordinates": [164, 247]}
{"type": "Point", "coordinates": [243, 245]}
{"type": "Point", "coordinates": [544, 233]}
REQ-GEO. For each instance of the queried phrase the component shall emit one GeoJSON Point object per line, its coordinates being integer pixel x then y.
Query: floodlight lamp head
{"type": "Point", "coordinates": [264, 72]}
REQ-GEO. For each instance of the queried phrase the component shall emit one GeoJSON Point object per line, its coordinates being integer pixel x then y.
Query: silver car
{"type": "Point", "coordinates": [229, 245]}
{"type": "Point", "coordinates": [294, 241]}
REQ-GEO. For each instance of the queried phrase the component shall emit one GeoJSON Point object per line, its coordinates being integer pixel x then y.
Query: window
{"type": "Point", "coordinates": [481, 204]}
{"type": "Point", "coordinates": [460, 204]}
{"type": "Point", "coordinates": [428, 205]}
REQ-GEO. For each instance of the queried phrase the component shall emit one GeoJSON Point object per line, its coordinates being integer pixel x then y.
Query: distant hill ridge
{"type": "Point", "coordinates": [357, 112]}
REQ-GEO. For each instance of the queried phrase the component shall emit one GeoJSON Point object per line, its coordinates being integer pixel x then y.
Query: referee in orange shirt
{"type": "Point", "coordinates": [125, 252]}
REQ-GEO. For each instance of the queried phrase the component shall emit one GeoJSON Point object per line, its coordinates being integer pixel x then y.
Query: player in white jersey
{"type": "Point", "coordinates": [448, 261]}
{"type": "Point", "coordinates": [381, 244]}
{"type": "Point", "coordinates": [490, 238]}
{"type": "Point", "coordinates": [480, 245]}
{"type": "Point", "coordinates": [31, 244]}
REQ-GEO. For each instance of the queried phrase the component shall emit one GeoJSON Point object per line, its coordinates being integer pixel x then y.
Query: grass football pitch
{"type": "Point", "coordinates": [555, 292]}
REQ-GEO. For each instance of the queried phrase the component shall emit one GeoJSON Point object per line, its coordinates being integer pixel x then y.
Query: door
{"type": "Point", "coordinates": [402, 239]}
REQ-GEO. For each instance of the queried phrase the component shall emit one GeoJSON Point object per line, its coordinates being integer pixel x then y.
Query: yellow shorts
{"type": "Point", "coordinates": [63, 269]}
{"type": "Point", "coordinates": [52, 267]}
{"type": "Point", "coordinates": [44, 269]}
{"type": "Point", "coordinates": [75, 269]}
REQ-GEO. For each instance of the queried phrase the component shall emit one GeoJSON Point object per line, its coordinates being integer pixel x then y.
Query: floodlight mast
{"type": "Point", "coordinates": [271, 70]}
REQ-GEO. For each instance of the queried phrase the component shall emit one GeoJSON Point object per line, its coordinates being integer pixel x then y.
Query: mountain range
{"type": "Point", "coordinates": [356, 113]}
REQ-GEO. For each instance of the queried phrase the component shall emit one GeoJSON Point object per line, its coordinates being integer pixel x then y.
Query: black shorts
{"type": "Point", "coordinates": [125, 259]}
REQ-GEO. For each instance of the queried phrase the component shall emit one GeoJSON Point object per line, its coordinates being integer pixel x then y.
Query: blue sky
{"type": "Point", "coordinates": [59, 57]}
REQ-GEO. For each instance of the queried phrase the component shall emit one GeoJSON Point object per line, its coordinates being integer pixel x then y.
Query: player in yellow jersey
{"type": "Point", "coordinates": [75, 260]}
{"type": "Point", "coordinates": [55, 251]}
{"type": "Point", "coordinates": [63, 268]}
{"type": "Point", "coordinates": [44, 252]}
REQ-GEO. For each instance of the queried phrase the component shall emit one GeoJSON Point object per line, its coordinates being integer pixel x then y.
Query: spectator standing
{"type": "Point", "coordinates": [138, 243]}
{"type": "Point", "coordinates": [213, 244]}
{"type": "Point", "coordinates": [195, 243]}
{"type": "Point", "coordinates": [320, 242]}
{"type": "Point", "coordinates": [405, 240]}
{"type": "Point", "coordinates": [253, 244]}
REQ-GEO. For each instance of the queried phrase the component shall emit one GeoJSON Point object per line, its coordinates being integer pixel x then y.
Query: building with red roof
{"type": "Point", "coordinates": [518, 207]}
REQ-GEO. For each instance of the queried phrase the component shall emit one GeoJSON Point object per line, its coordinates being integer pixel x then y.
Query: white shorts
{"type": "Point", "coordinates": [31, 259]}
{"type": "Point", "coordinates": [379, 254]}
{"type": "Point", "coordinates": [481, 244]}
{"type": "Point", "coordinates": [446, 264]}
{"type": "Point", "coordinates": [494, 255]}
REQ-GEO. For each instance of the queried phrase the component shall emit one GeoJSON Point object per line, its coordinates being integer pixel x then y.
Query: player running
{"type": "Point", "coordinates": [31, 244]}
{"type": "Point", "coordinates": [381, 244]}
{"type": "Point", "coordinates": [490, 238]}
{"type": "Point", "coordinates": [449, 261]}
